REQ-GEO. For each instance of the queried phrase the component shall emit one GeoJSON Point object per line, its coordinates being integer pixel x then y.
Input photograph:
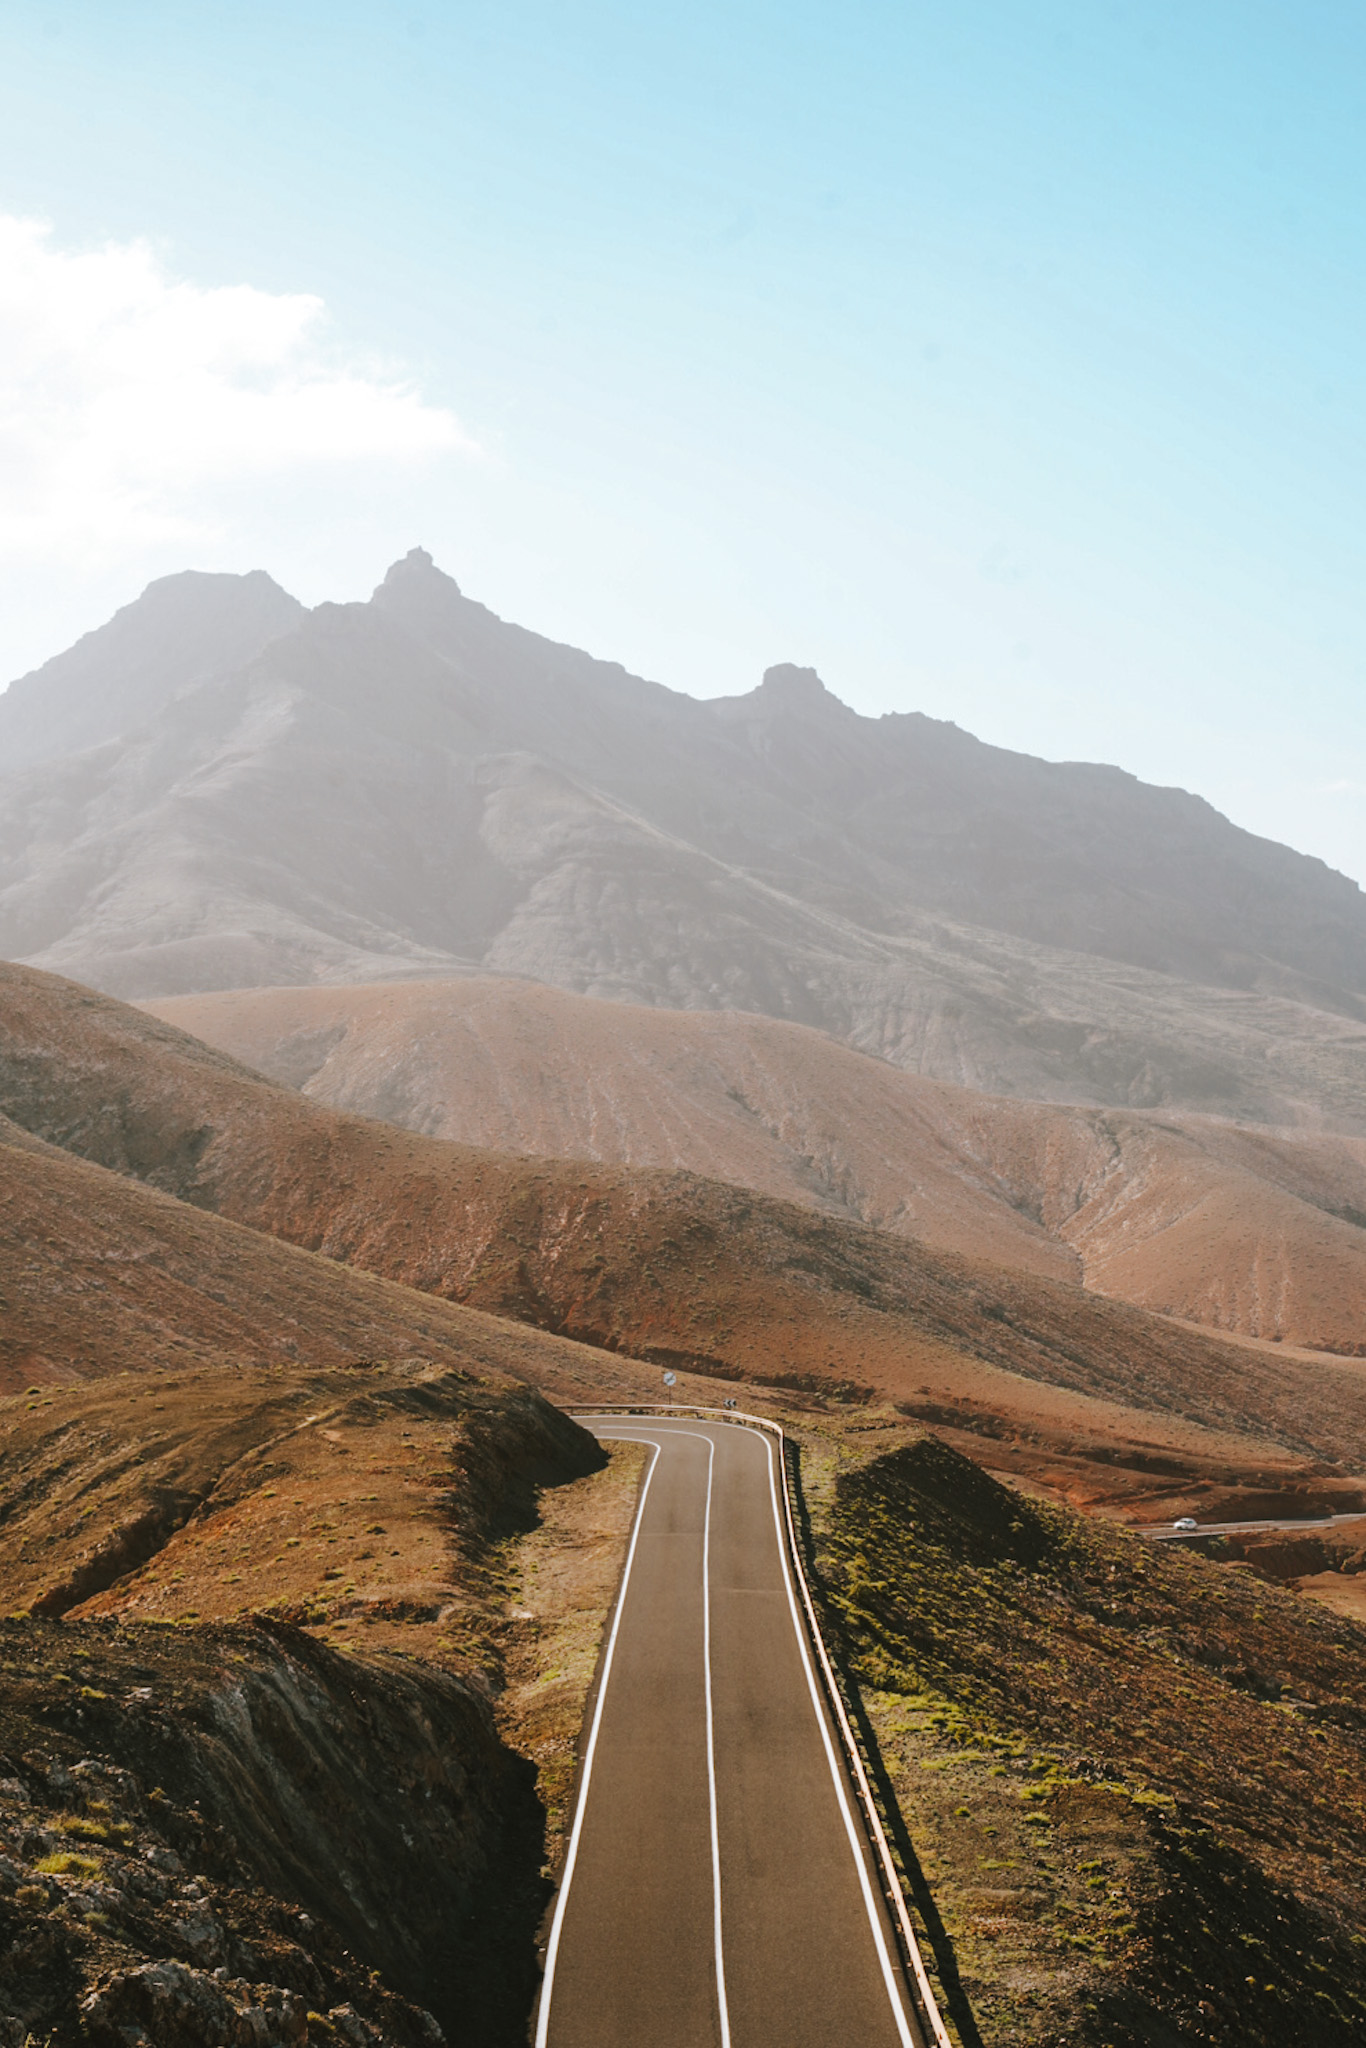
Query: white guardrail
{"type": "Point", "coordinates": [877, 1834]}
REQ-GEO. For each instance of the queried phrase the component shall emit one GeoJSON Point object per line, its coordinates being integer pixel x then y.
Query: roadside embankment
{"type": "Point", "coordinates": [1130, 1780]}
{"type": "Point", "coordinates": [233, 1834]}
{"type": "Point", "coordinates": [252, 1783]}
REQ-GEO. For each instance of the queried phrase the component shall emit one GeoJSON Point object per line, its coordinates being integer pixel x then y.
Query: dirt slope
{"type": "Point", "coordinates": [662, 1266]}
{"type": "Point", "coordinates": [1258, 1232]}
{"type": "Point", "coordinates": [1133, 1779]}
{"type": "Point", "coordinates": [216, 1853]}
{"type": "Point", "coordinates": [101, 1275]}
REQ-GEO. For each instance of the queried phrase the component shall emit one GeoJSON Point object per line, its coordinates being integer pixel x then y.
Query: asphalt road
{"type": "Point", "coordinates": [1166, 1532]}
{"type": "Point", "coordinates": [718, 1891]}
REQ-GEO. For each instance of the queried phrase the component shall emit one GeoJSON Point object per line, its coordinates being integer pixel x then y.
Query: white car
{"type": "Point", "coordinates": [1186, 1522]}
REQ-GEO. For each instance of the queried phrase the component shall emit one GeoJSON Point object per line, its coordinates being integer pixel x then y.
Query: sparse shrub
{"type": "Point", "coordinates": [64, 1864]}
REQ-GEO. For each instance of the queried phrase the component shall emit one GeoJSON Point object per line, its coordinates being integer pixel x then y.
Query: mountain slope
{"type": "Point", "coordinates": [868, 816]}
{"type": "Point", "coordinates": [414, 787]}
{"type": "Point", "coordinates": [657, 1266]}
{"type": "Point", "coordinates": [101, 1275]}
{"type": "Point", "coordinates": [1258, 1232]}
{"type": "Point", "coordinates": [182, 630]}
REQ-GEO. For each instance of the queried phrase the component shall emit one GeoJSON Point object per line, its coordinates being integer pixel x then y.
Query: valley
{"type": "Point", "coordinates": [465, 1032]}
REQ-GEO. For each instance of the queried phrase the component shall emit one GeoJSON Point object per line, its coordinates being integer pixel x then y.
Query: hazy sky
{"type": "Point", "coordinates": [1005, 361]}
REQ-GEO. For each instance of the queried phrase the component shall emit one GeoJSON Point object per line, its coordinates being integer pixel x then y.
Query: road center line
{"type": "Point", "coordinates": [718, 1945]}
{"type": "Point", "coordinates": [557, 1923]}
{"type": "Point", "coordinates": [711, 1757]}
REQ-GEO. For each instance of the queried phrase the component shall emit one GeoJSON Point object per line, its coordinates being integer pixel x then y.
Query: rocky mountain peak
{"type": "Point", "coordinates": [184, 629]}
{"type": "Point", "coordinates": [417, 574]}
{"type": "Point", "coordinates": [798, 689]}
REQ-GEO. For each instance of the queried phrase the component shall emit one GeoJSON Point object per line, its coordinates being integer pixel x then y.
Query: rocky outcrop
{"type": "Point", "coordinates": [235, 1835]}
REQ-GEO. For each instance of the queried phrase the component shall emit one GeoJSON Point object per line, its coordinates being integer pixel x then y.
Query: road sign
{"type": "Point", "coordinates": [671, 1379]}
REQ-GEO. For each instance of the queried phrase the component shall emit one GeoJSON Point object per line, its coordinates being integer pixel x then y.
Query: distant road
{"type": "Point", "coordinates": [717, 1891]}
{"type": "Point", "coordinates": [1167, 1532]}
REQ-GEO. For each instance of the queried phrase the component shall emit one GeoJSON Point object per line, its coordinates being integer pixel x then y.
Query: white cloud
{"type": "Point", "coordinates": [132, 403]}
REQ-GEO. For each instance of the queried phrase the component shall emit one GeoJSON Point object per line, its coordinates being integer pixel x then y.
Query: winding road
{"type": "Point", "coordinates": [718, 1889]}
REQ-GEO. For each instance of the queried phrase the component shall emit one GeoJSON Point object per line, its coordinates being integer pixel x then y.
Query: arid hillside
{"type": "Point", "coordinates": [220, 790]}
{"type": "Point", "coordinates": [100, 1274]}
{"type": "Point", "coordinates": [227, 1452]}
{"type": "Point", "coordinates": [265, 1508]}
{"type": "Point", "coordinates": [188, 1847]}
{"type": "Point", "coordinates": [1131, 1779]}
{"type": "Point", "coordinates": [668, 1267]}
{"type": "Point", "coordinates": [1258, 1232]}
{"type": "Point", "coordinates": [182, 631]}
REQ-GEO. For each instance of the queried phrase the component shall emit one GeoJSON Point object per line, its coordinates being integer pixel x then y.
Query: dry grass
{"type": "Point", "coordinates": [365, 1503]}
{"type": "Point", "coordinates": [562, 1583]}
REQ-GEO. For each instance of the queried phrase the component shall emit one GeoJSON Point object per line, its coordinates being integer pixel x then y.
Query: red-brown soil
{"type": "Point", "coordinates": [357, 1500]}
{"type": "Point", "coordinates": [100, 1274]}
{"type": "Point", "coordinates": [668, 1267]}
{"type": "Point", "coordinates": [1252, 1231]}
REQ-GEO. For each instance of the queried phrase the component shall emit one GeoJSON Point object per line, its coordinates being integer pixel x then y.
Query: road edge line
{"type": "Point", "coordinates": [895, 1996]}
{"type": "Point", "coordinates": [867, 1804]}
{"type": "Point", "coordinates": [580, 1806]}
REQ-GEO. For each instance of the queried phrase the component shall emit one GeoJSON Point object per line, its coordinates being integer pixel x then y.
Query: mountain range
{"type": "Point", "coordinates": [508, 1028]}
{"type": "Point", "coordinates": [221, 790]}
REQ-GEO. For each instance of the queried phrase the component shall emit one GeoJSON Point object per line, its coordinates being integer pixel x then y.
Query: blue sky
{"type": "Point", "coordinates": [1005, 361]}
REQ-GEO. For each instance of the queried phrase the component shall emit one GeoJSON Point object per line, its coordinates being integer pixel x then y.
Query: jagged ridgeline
{"type": "Point", "coordinates": [221, 790]}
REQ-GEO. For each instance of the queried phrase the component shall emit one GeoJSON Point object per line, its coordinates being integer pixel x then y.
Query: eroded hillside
{"type": "Point", "coordinates": [657, 1266]}
{"type": "Point", "coordinates": [1255, 1231]}
{"type": "Point", "coordinates": [191, 1853]}
{"type": "Point", "coordinates": [1132, 1779]}
{"type": "Point", "coordinates": [414, 786]}
{"type": "Point", "coordinates": [215, 1824]}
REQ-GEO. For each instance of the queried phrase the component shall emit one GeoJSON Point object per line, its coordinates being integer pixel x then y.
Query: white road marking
{"type": "Point", "coordinates": [904, 2033]}
{"type": "Point", "coordinates": [908, 2039]}
{"type": "Point", "coordinates": [761, 1426]}
{"type": "Point", "coordinates": [552, 1950]}
{"type": "Point", "coordinates": [557, 1923]}
{"type": "Point", "coordinates": [711, 1751]}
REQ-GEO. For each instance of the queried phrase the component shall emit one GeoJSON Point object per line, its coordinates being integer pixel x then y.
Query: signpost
{"type": "Point", "coordinates": [671, 1381]}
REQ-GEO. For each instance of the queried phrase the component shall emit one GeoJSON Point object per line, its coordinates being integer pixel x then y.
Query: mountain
{"type": "Point", "coordinates": [670, 1268]}
{"type": "Point", "coordinates": [1258, 1232]}
{"type": "Point", "coordinates": [413, 787]}
{"type": "Point", "coordinates": [180, 632]}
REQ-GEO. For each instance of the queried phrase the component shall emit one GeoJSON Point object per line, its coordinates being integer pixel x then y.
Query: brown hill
{"type": "Point", "coordinates": [1257, 1232]}
{"type": "Point", "coordinates": [366, 1503]}
{"type": "Point", "coordinates": [663, 1266]}
{"type": "Point", "coordinates": [101, 1275]}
